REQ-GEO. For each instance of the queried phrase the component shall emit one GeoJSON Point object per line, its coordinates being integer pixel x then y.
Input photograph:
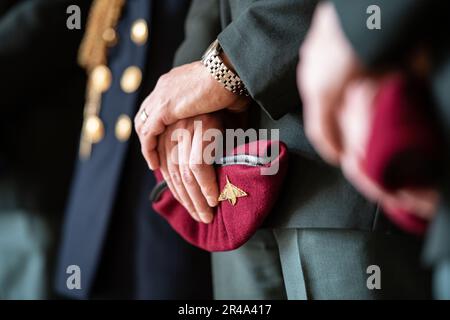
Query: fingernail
{"type": "Point", "coordinates": [212, 202]}
{"type": "Point", "coordinates": [194, 217]}
{"type": "Point", "coordinates": [206, 217]}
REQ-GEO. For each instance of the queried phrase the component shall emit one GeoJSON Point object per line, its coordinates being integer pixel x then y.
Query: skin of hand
{"type": "Point", "coordinates": [327, 64]}
{"type": "Point", "coordinates": [192, 180]}
{"type": "Point", "coordinates": [354, 122]}
{"type": "Point", "coordinates": [184, 92]}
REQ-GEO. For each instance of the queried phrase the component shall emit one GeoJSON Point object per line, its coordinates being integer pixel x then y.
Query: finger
{"type": "Point", "coordinates": [353, 171]}
{"type": "Point", "coordinates": [412, 204]}
{"type": "Point", "coordinates": [319, 109]}
{"type": "Point", "coordinates": [355, 174]}
{"type": "Point", "coordinates": [150, 141]}
{"type": "Point", "coordinates": [159, 117]}
{"type": "Point", "coordinates": [421, 202]}
{"type": "Point", "coordinates": [151, 157]}
{"type": "Point", "coordinates": [322, 91]}
{"type": "Point", "coordinates": [355, 117]}
{"type": "Point", "coordinates": [322, 129]}
{"type": "Point", "coordinates": [163, 168]}
{"type": "Point", "coordinates": [191, 185]}
{"type": "Point", "coordinates": [138, 123]}
{"type": "Point", "coordinates": [140, 119]}
{"type": "Point", "coordinates": [172, 152]}
{"type": "Point", "coordinates": [204, 173]}
{"type": "Point", "coordinates": [145, 155]}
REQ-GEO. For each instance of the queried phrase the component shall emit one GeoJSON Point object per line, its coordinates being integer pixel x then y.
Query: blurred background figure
{"type": "Point", "coordinates": [320, 225]}
{"type": "Point", "coordinates": [121, 246]}
{"type": "Point", "coordinates": [41, 93]}
{"type": "Point", "coordinates": [407, 60]}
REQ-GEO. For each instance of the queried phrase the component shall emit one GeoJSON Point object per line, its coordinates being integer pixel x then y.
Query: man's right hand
{"type": "Point", "coordinates": [327, 65]}
{"type": "Point", "coordinates": [182, 93]}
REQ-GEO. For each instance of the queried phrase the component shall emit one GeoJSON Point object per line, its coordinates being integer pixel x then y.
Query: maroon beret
{"type": "Point", "coordinates": [404, 149]}
{"type": "Point", "coordinates": [247, 197]}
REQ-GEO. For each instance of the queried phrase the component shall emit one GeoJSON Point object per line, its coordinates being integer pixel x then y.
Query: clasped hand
{"type": "Point", "coordinates": [337, 96]}
{"type": "Point", "coordinates": [181, 97]}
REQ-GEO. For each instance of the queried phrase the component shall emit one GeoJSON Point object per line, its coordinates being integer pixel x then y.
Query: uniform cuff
{"type": "Point", "coordinates": [242, 51]}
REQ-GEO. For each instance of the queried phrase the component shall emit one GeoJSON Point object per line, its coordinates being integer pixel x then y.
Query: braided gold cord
{"type": "Point", "coordinates": [104, 15]}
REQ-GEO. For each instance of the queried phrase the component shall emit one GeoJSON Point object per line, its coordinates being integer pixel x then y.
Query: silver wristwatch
{"type": "Point", "coordinates": [230, 80]}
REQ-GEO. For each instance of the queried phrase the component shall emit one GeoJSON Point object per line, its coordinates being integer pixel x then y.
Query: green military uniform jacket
{"type": "Point", "coordinates": [406, 24]}
{"type": "Point", "coordinates": [322, 236]}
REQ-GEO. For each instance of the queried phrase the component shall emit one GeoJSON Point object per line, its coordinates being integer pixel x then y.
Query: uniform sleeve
{"type": "Point", "coordinates": [262, 44]}
{"type": "Point", "coordinates": [403, 24]}
{"type": "Point", "coordinates": [201, 28]}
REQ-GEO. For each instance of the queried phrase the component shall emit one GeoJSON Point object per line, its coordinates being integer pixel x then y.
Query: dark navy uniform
{"type": "Point", "coordinates": [123, 248]}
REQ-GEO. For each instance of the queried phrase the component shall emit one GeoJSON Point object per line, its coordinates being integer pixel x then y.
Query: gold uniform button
{"type": "Point", "coordinates": [123, 128]}
{"type": "Point", "coordinates": [94, 130]}
{"type": "Point", "coordinates": [131, 79]}
{"type": "Point", "coordinates": [110, 37]}
{"type": "Point", "coordinates": [139, 32]}
{"type": "Point", "coordinates": [101, 78]}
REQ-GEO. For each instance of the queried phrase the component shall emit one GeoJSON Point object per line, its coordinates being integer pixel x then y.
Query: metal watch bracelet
{"type": "Point", "coordinates": [223, 74]}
